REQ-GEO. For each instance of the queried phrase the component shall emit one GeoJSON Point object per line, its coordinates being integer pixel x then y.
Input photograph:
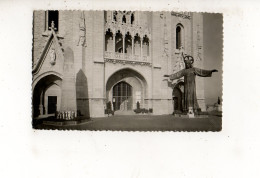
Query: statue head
{"type": "Point", "coordinates": [188, 60]}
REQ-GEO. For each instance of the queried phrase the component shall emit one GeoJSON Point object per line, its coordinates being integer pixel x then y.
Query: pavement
{"type": "Point", "coordinates": [141, 122]}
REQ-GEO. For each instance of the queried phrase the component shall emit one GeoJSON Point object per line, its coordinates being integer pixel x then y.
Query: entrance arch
{"type": "Point", "coordinates": [122, 96]}
{"type": "Point", "coordinates": [125, 88]}
{"type": "Point", "coordinates": [47, 96]}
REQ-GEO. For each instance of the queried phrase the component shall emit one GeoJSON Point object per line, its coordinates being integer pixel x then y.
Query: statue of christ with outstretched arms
{"type": "Point", "coordinates": [190, 73]}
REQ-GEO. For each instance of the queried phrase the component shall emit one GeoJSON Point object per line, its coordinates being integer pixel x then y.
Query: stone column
{"type": "Point", "coordinates": [41, 109]}
{"type": "Point", "coordinates": [41, 106]}
{"type": "Point", "coordinates": [68, 94]}
{"type": "Point", "coordinates": [114, 42]}
{"type": "Point", "coordinates": [141, 48]}
{"type": "Point", "coordinates": [132, 47]}
{"type": "Point", "coordinates": [123, 46]}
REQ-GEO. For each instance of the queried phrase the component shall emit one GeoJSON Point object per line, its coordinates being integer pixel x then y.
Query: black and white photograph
{"type": "Point", "coordinates": [127, 70]}
{"type": "Point", "coordinates": [129, 89]}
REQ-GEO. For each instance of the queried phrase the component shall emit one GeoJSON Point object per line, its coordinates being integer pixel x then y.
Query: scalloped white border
{"type": "Point", "coordinates": [232, 152]}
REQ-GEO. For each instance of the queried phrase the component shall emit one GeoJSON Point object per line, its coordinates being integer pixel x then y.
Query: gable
{"type": "Point", "coordinates": [51, 58]}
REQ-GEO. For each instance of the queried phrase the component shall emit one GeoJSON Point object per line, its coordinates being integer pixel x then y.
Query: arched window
{"type": "Point", "coordinates": [179, 36]}
{"type": "Point", "coordinates": [109, 45]}
{"type": "Point", "coordinates": [114, 16]}
{"type": "Point", "coordinates": [124, 19]}
{"type": "Point", "coordinates": [119, 42]}
{"type": "Point", "coordinates": [132, 19]}
{"type": "Point", "coordinates": [146, 46]}
{"type": "Point", "coordinates": [137, 45]}
{"type": "Point", "coordinates": [128, 44]}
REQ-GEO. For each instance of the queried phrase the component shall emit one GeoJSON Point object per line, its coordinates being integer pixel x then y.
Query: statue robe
{"type": "Point", "coordinates": [190, 98]}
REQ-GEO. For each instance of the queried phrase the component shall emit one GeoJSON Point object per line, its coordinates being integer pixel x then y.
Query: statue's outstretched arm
{"type": "Point", "coordinates": [175, 75]}
{"type": "Point", "coordinates": [204, 73]}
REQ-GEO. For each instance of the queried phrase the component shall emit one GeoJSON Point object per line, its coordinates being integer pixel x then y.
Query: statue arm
{"type": "Point", "coordinates": [204, 73]}
{"type": "Point", "coordinates": [176, 75]}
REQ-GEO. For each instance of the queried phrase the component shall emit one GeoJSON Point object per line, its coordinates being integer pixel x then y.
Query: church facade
{"type": "Point", "coordinates": [84, 59]}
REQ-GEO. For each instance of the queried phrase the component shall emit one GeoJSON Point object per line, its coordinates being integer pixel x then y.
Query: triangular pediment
{"type": "Point", "coordinates": [50, 57]}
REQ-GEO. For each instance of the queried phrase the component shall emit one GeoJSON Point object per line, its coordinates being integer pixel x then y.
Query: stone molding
{"type": "Point", "coordinates": [117, 61]}
{"type": "Point", "coordinates": [184, 15]}
{"type": "Point", "coordinates": [121, 56]}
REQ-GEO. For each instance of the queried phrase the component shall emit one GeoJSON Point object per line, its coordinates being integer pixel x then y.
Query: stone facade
{"type": "Point", "coordinates": [79, 61]}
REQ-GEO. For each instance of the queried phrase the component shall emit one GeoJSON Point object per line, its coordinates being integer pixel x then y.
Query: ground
{"type": "Point", "coordinates": [143, 123]}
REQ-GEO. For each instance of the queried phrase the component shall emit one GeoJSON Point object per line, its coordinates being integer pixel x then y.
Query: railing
{"type": "Point", "coordinates": [126, 57]}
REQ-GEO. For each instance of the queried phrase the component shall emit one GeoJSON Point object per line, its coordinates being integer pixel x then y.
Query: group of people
{"type": "Point", "coordinates": [66, 115]}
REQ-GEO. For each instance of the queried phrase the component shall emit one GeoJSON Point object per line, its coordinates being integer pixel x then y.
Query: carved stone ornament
{"type": "Point", "coordinates": [184, 15]}
{"type": "Point", "coordinates": [52, 56]}
{"type": "Point", "coordinates": [82, 31]}
{"type": "Point", "coordinates": [199, 46]}
{"type": "Point", "coordinates": [179, 64]}
{"type": "Point", "coordinates": [114, 61]}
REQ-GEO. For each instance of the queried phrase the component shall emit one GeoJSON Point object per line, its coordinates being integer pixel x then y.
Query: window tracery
{"type": "Point", "coordinates": [131, 41]}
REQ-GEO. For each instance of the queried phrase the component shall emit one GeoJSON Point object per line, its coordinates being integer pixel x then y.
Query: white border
{"type": "Point", "coordinates": [232, 152]}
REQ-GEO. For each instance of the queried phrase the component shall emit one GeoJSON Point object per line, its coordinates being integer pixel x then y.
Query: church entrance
{"type": "Point", "coordinates": [124, 89]}
{"type": "Point", "coordinates": [122, 96]}
{"type": "Point", "coordinates": [47, 96]}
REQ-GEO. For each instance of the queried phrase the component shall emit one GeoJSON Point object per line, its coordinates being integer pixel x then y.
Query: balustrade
{"type": "Point", "coordinates": [129, 40]}
{"type": "Point", "coordinates": [127, 57]}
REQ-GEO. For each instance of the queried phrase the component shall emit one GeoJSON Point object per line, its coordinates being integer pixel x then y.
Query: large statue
{"type": "Point", "coordinates": [189, 73]}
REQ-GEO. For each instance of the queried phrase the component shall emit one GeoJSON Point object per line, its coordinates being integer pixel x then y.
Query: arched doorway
{"type": "Point", "coordinates": [122, 96]}
{"type": "Point", "coordinates": [125, 88]}
{"type": "Point", "coordinates": [47, 96]}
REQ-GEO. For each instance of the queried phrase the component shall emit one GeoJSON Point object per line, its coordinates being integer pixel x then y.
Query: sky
{"type": "Point", "coordinates": [213, 55]}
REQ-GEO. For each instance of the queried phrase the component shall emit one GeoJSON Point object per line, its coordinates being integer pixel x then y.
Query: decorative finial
{"type": "Point", "coordinates": [52, 26]}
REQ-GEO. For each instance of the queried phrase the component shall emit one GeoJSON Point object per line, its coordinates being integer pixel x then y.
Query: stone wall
{"type": "Point", "coordinates": [38, 29]}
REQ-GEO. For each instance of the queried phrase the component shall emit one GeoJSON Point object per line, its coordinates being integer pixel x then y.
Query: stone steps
{"type": "Point", "coordinates": [123, 112]}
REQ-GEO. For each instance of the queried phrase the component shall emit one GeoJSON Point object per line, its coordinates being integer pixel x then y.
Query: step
{"type": "Point", "coordinates": [120, 112]}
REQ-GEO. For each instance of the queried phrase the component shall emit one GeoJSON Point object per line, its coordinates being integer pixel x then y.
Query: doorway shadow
{"type": "Point", "coordinates": [82, 94]}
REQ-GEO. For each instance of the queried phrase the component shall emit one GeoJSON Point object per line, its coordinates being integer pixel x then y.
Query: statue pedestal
{"type": "Point", "coordinates": [219, 107]}
{"type": "Point", "coordinates": [190, 113]}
